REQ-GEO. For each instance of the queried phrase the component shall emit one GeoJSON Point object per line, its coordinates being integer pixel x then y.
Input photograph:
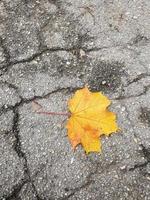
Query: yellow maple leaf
{"type": "Point", "coordinates": [89, 119]}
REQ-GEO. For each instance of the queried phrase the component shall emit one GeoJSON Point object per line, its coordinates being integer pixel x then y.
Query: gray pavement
{"type": "Point", "coordinates": [48, 50]}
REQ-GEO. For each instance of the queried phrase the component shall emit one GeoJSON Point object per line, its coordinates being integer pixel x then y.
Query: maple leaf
{"type": "Point", "coordinates": [89, 119]}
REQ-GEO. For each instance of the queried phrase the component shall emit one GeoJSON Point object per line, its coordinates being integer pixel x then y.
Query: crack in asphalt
{"type": "Point", "coordinates": [10, 63]}
{"type": "Point", "coordinates": [10, 85]}
{"type": "Point", "coordinates": [15, 191]}
{"type": "Point", "coordinates": [6, 53]}
{"type": "Point", "coordinates": [135, 80]}
{"type": "Point", "coordinates": [18, 149]}
{"type": "Point", "coordinates": [6, 108]}
{"type": "Point", "coordinates": [87, 183]}
{"type": "Point", "coordinates": [146, 154]}
{"type": "Point", "coordinates": [144, 92]}
{"type": "Point", "coordinates": [89, 179]}
{"type": "Point", "coordinates": [143, 149]}
{"type": "Point", "coordinates": [138, 78]}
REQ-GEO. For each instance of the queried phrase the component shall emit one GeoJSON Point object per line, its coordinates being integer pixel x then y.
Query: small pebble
{"type": "Point", "coordinates": [123, 109]}
{"type": "Point", "coordinates": [103, 82]}
{"type": "Point", "coordinates": [68, 63]}
{"type": "Point", "coordinates": [123, 167]}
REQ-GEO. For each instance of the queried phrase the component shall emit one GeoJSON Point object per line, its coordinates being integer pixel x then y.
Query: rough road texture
{"type": "Point", "coordinates": [48, 49]}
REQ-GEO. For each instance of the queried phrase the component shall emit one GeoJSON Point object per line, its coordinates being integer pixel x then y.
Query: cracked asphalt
{"type": "Point", "coordinates": [48, 50]}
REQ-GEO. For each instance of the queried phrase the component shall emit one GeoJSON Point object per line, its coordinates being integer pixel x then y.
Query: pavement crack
{"type": "Point", "coordinates": [146, 154]}
{"type": "Point", "coordinates": [15, 130]}
{"type": "Point", "coordinates": [23, 101]}
{"type": "Point", "coordinates": [10, 63]}
{"type": "Point", "coordinates": [86, 184]}
{"type": "Point", "coordinates": [21, 154]}
{"type": "Point", "coordinates": [16, 190]}
{"type": "Point", "coordinates": [138, 78]}
{"type": "Point", "coordinates": [136, 166]}
{"type": "Point", "coordinates": [143, 149]}
{"type": "Point", "coordinates": [6, 52]}
{"type": "Point", "coordinates": [10, 85]}
{"type": "Point", "coordinates": [139, 40]}
{"type": "Point", "coordinates": [63, 89]}
{"type": "Point", "coordinates": [144, 92]}
{"type": "Point", "coordinates": [72, 49]}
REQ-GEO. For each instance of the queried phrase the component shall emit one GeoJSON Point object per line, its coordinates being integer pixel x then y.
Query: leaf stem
{"type": "Point", "coordinates": [53, 113]}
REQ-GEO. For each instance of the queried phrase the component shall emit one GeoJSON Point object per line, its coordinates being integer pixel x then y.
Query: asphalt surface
{"type": "Point", "coordinates": [48, 50]}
